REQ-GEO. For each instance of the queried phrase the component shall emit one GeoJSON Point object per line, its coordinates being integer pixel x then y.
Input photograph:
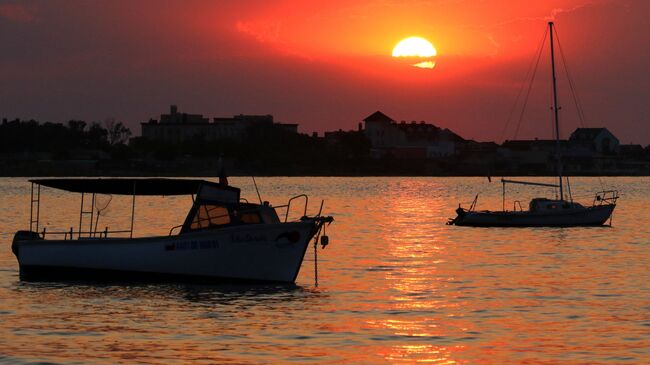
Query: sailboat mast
{"type": "Point", "coordinates": [555, 110]}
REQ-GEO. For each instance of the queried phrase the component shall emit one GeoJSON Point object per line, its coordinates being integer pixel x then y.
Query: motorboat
{"type": "Point", "coordinates": [560, 211]}
{"type": "Point", "coordinates": [223, 237]}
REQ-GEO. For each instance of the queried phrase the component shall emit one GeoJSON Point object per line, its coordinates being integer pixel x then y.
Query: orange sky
{"type": "Point", "coordinates": [324, 64]}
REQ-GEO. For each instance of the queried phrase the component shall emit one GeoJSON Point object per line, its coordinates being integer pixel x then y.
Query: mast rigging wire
{"type": "Point", "coordinates": [530, 85]}
{"type": "Point", "coordinates": [576, 99]}
{"type": "Point", "coordinates": [531, 68]}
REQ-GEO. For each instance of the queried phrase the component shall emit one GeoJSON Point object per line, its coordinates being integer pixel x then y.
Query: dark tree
{"type": "Point", "coordinates": [117, 132]}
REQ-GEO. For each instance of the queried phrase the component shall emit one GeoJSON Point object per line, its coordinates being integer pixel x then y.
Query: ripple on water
{"type": "Point", "coordinates": [396, 286]}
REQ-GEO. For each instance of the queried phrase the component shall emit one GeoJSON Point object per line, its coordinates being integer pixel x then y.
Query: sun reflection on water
{"type": "Point", "coordinates": [415, 252]}
{"type": "Point", "coordinates": [396, 286]}
{"type": "Point", "coordinates": [428, 354]}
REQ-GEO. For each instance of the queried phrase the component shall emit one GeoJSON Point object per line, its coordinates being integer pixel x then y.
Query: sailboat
{"type": "Point", "coordinates": [543, 212]}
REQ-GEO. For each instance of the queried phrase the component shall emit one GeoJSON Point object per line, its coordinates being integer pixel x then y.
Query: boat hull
{"type": "Point", "coordinates": [254, 253]}
{"type": "Point", "coordinates": [592, 216]}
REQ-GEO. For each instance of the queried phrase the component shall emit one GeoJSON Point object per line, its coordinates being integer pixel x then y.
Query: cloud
{"type": "Point", "coordinates": [262, 31]}
{"type": "Point", "coordinates": [556, 11]}
{"type": "Point", "coordinates": [17, 13]}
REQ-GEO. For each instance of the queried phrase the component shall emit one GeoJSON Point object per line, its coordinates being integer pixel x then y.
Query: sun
{"type": "Point", "coordinates": [416, 48]}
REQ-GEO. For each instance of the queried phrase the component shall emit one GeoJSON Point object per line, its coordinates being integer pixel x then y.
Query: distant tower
{"type": "Point", "coordinates": [173, 109]}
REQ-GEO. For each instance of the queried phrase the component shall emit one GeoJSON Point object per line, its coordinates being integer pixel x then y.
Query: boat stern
{"type": "Point", "coordinates": [460, 216]}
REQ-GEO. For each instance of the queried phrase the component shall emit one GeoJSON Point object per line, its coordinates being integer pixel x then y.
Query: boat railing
{"type": "Point", "coordinates": [288, 206]}
{"type": "Point", "coordinates": [516, 204]}
{"type": "Point", "coordinates": [171, 231]}
{"type": "Point", "coordinates": [69, 235]}
{"type": "Point", "coordinates": [605, 197]}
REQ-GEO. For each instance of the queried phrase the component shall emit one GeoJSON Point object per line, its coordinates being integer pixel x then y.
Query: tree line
{"type": "Point", "coordinates": [263, 149]}
{"type": "Point", "coordinates": [61, 140]}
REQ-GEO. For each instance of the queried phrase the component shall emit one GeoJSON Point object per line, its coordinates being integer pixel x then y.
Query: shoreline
{"type": "Point", "coordinates": [366, 168]}
{"type": "Point", "coordinates": [496, 177]}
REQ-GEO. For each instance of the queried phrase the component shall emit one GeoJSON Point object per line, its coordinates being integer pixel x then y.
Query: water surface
{"type": "Point", "coordinates": [396, 285]}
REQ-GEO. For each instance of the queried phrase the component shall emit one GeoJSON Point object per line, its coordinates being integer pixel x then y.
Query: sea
{"type": "Point", "coordinates": [396, 285]}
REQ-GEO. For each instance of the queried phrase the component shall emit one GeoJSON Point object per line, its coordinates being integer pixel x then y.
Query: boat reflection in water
{"type": "Point", "coordinates": [222, 238]}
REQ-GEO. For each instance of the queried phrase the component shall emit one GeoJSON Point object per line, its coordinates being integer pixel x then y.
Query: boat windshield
{"type": "Point", "coordinates": [215, 215]}
{"type": "Point", "coordinates": [250, 218]}
{"type": "Point", "coordinates": [210, 215]}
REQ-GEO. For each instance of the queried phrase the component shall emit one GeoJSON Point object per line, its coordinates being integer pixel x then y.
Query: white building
{"type": "Point", "coordinates": [388, 136]}
{"type": "Point", "coordinates": [599, 139]}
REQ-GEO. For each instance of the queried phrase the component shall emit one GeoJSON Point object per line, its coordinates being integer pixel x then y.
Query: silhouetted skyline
{"type": "Point", "coordinates": [324, 65]}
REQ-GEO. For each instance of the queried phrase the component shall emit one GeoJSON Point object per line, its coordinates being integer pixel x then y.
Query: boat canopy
{"type": "Point", "coordinates": [139, 186]}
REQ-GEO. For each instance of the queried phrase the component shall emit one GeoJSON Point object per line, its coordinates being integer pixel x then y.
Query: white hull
{"type": "Point", "coordinates": [261, 252]}
{"type": "Point", "coordinates": [592, 216]}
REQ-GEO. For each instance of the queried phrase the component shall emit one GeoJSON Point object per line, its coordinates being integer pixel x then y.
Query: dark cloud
{"type": "Point", "coordinates": [17, 13]}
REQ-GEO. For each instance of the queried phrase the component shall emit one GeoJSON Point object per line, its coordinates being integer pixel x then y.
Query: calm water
{"type": "Point", "coordinates": [396, 285]}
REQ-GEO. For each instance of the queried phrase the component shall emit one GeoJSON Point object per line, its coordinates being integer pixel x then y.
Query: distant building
{"type": "Point", "coordinates": [598, 139]}
{"type": "Point", "coordinates": [174, 117]}
{"type": "Point", "coordinates": [586, 149]}
{"type": "Point", "coordinates": [538, 152]}
{"type": "Point", "coordinates": [583, 143]}
{"type": "Point", "coordinates": [178, 127]}
{"type": "Point", "coordinates": [379, 128]}
{"type": "Point", "coordinates": [336, 137]}
{"type": "Point", "coordinates": [631, 150]}
{"type": "Point", "coordinates": [409, 140]}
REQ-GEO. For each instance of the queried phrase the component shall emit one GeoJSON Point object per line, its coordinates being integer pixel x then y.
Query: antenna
{"type": "Point", "coordinates": [257, 190]}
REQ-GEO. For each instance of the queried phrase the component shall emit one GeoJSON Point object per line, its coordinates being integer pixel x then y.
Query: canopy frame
{"type": "Point", "coordinates": [115, 186]}
{"type": "Point", "coordinates": [132, 186]}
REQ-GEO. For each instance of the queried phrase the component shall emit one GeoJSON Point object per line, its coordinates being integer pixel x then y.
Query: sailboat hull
{"type": "Point", "coordinates": [591, 216]}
